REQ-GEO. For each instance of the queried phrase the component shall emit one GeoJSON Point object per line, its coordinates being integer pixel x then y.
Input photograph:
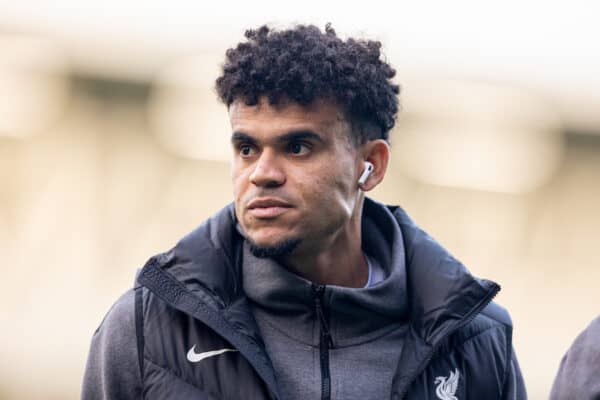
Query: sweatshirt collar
{"type": "Point", "coordinates": [356, 315]}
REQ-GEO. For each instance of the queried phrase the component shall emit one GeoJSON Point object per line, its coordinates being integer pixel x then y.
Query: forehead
{"type": "Point", "coordinates": [321, 116]}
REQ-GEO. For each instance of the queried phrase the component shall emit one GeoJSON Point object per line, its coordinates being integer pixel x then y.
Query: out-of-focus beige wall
{"type": "Point", "coordinates": [87, 198]}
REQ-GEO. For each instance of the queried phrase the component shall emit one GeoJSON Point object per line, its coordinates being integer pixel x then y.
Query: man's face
{"type": "Point", "coordinates": [294, 172]}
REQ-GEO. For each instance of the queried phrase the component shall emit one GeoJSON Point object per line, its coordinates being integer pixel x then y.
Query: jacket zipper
{"type": "Point", "coordinates": [325, 342]}
{"type": "Point", "coordinates": [468, 318]}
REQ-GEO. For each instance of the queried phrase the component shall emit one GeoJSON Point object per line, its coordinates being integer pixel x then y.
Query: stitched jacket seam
{"type": "Point", "coordinates": [173, 373]}
{"type": "Point", "coordinates": [476, 335]}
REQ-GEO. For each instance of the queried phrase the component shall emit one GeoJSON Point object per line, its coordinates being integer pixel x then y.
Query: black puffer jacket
{"type": "Point", "coordinates": [192, 296]}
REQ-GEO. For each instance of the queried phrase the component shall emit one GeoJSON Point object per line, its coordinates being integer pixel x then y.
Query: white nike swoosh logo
{"type": "Point", "coordinates": [194, 357]}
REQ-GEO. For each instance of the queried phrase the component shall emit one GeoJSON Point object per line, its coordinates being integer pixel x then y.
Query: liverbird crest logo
{"type": "Point", "coordinates": [446, 387]}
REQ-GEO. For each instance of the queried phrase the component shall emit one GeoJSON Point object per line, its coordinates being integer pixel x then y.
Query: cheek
{"type": "Point", "coordinates": [238, 176]}
{"type": "Point", "coordinates": [332, 194]}
{"type": "Point", "coordinates": [239, 182]}
{"type": "Point", "coordinates": [341, 180]}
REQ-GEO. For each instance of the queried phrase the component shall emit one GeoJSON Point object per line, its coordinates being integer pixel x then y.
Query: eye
{"type": "Point", "coordinates": [246, 150]}
{"type": "Point", "coordinates": [299, 148]}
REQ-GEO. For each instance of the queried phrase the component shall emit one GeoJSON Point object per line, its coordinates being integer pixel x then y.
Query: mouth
{"type": "Point", "coordinates": [265, 208]}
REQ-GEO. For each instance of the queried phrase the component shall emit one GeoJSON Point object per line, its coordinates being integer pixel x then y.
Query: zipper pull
{"type": "Point", "coordinates": [328, 339]}
{"type": "Point", "coordinates": [319, 291]}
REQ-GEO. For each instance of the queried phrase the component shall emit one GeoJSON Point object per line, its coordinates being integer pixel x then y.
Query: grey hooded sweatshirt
{"type": "Point", "coordinates": [578, 377]}
{"type": "Point", "coordinates": [366, 325]}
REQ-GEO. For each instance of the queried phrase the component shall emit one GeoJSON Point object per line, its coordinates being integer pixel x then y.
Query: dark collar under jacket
{"type": "Point", "coordinates": [202, 277]}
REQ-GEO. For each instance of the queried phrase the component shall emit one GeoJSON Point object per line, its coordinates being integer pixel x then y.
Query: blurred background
{"type": "Point", "coordinates": [113, 146]}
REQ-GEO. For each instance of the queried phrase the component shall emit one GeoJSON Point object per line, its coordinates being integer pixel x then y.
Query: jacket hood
{"type": "Point", "coordinates": [442, 292]}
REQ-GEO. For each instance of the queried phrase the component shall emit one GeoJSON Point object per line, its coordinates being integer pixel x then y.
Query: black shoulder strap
{"type": "Point", "coordinates": [139, 326]}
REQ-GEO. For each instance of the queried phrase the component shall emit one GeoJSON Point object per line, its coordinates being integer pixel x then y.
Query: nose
{"type": "Point", "coordinates": [267, 172]}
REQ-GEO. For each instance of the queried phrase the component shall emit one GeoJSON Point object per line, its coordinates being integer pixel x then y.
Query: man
{"type": "Point", "coordinates": [304, 288]}
{"type": "Point", "coordinates": [579, 374]}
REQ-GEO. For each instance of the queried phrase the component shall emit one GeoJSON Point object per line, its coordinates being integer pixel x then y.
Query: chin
{"type": "Point", "coordinates": [281, 249]}
{"type": "Point", "coordinates": [267, 235]}
{"type": "Point", "coordinates": [270, 241]}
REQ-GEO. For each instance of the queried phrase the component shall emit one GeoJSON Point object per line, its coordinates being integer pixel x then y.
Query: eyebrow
{"type": "Point", "coordinates": [242, 137]}
{"type": "Point", "coordinates": [287, 137]}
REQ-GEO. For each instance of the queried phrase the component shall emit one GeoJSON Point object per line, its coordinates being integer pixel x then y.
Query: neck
{"type": "Point", "coordinates": [338, 261]}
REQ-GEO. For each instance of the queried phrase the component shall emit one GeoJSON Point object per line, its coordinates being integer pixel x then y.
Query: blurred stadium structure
{"type": "Point", "coordinates": [112, 146]}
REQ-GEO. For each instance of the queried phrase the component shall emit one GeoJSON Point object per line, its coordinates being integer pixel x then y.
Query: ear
{"type": "Point", "coordinates": [377, 152]}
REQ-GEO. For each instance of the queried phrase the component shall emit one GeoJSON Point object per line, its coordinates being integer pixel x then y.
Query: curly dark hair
{"type": "Point", "coordinates": [303, 64]}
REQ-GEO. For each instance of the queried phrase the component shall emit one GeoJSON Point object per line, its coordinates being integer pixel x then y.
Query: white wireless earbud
{"type": "Point", "coordinates": [367, 171]}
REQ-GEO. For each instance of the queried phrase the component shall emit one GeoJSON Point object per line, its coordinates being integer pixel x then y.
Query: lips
{"type": "Point", "coordinates": [268, 207]}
